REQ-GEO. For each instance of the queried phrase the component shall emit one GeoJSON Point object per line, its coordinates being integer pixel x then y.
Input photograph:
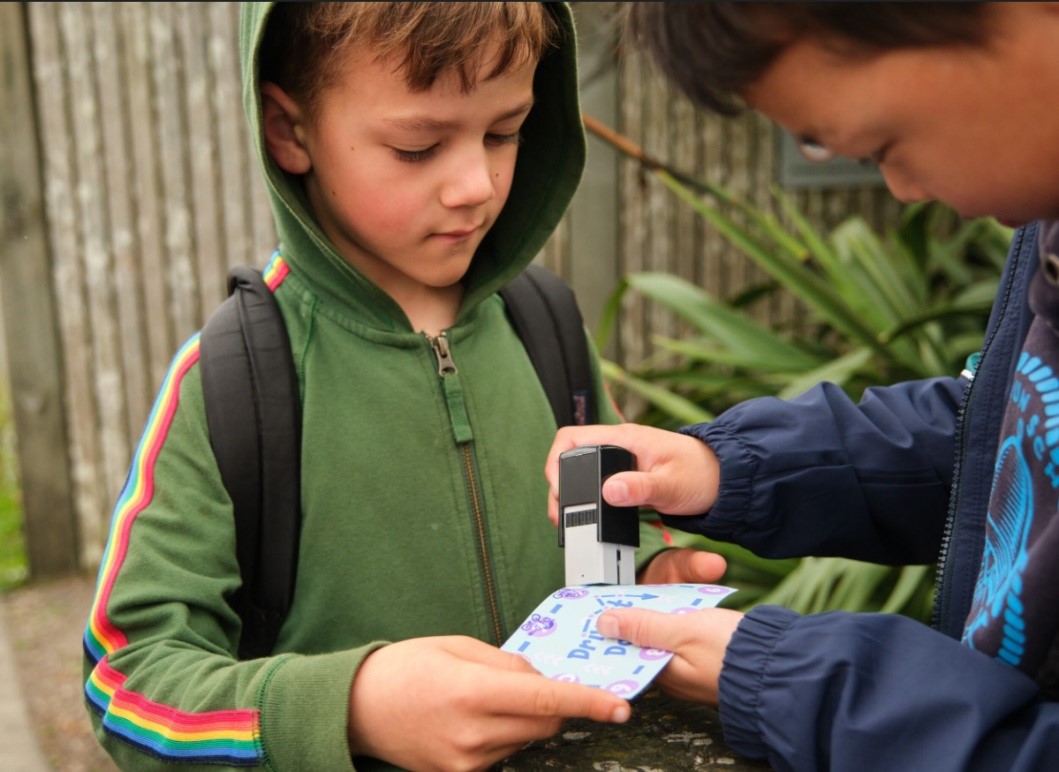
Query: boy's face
{"type": "Point", "coordinates": [972, 127]}
{"type": "Point", "coordinates": [407, 184]}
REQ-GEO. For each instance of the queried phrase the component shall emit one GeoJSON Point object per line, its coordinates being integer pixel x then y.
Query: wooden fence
{"type": "Point", "coordinates": [129, 190]}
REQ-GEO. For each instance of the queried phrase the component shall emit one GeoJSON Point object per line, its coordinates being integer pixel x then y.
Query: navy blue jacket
{"type": "Point", "coordinates": [902, 477]}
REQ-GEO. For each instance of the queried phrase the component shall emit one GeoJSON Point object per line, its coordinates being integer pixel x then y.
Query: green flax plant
{"type": "Point", "coordinates": [877, 308]}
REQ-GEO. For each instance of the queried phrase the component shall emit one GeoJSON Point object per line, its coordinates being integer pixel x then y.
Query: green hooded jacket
{"type": "Point", "coordinates": [423, 496]}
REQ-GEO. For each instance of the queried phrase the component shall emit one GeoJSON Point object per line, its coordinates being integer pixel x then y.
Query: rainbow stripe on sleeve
{"type": "Point", "coordinates": [228, 736]}
{"type": "Point", "coordinates": [221, 736]}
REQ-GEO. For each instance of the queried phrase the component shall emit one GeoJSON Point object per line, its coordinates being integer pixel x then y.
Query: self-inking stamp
{"type": "Point", "coordinates": [599, 539]}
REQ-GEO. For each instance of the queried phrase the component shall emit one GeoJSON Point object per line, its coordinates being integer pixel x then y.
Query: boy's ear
{"type": "Point", "coordinates": [283, 125]}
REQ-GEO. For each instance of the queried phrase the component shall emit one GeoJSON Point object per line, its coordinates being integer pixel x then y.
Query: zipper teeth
{"type": "Point", "coordinates": [446, 367]}
{"type": "Point", "coordinates": [940, 596]}
{"type": "Point", "coordinates": [942, 591]}
{"type": "Point", "coordinates": [483, 547]}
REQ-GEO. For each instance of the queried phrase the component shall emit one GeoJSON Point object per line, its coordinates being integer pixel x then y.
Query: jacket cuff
{"type": "Point", "coordinates": [305, 710]}
{"type": "Point", "coordinates": [742, 672]}
{"type": "Point", "coordinates": [728, 516]}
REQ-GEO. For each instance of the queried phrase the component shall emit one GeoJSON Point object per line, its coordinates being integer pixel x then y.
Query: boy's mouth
{"type": "Point", "coordinates": [458, 235]}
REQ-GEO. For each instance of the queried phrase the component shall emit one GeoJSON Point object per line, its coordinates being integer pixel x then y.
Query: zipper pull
{"type": "Point", "coordinates": [440, 345]}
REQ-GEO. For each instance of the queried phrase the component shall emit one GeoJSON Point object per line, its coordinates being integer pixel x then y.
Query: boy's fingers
{"type": "Point", "coordinates": [525, 692]}
{"type": "Point", "coordinates": [684, 565]}
{"type": "Point", "coordinates": [535, 695]}
{"type": "Point", "coordinates": [649, 629]}
{"type": "Point", "coordinates": [700, 566]}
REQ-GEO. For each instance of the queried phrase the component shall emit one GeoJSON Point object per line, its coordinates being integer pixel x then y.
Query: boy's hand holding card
{"type": "Point", "coordinates": [560, 640]}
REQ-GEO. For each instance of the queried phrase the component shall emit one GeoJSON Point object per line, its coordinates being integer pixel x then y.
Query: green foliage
{"type": "Point", "coordinates": [12, 547]}
{"type": "Point", "coordinates": [13, 564]}
{"type": "Point", "coordinates": [910, 303]}
{"type": "Point", "coordinates": [878, 308]}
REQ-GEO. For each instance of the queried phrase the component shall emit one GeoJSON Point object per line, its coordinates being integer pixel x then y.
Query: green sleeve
{"type": "Point", "coordinates": [162, 682]}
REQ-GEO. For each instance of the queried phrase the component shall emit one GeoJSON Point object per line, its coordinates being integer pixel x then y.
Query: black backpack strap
{"type": "Point", "coordinates": [543, 310]}
{"type": "Point", "coordinates": [254, 416]}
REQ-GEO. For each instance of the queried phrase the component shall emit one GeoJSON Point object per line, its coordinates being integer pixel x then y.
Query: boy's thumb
{"type": "Point", "coordinates": [648, 629]}
{"type": "Point", "coordinates": [629, 489]}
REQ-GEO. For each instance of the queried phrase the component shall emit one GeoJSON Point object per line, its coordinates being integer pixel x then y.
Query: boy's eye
{"type": "Point", "coordinates": [814, 151]}
{"type": "Point", "coordinates": [504, 139]}
{"type": "Point", "coordinates": [414, 156]}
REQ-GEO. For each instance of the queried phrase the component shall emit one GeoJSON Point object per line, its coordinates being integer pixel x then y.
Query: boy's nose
{"type": "Point", "coordinates": [904, 188]}
{"type": "Point", "coordinates": [470, 184]}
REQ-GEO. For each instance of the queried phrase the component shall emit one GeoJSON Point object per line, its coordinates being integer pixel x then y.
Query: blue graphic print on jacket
{"type": "Point", "coordinates": [998, 594]}
{"type": "Point", "coordinates": [1012, 613]}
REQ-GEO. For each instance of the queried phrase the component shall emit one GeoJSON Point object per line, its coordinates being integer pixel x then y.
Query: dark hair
{"type": "Point", "coordinates": [304, 43]}
{"type": "Point", "coordinates": [712, 51]}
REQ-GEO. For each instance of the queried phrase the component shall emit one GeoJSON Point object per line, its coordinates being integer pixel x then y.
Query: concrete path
{"type": "Point", "coordinates": [19, 751]}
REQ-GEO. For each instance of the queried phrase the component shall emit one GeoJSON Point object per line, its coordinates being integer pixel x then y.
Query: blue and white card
{"type": "Point", "coordinates": [560, 639]}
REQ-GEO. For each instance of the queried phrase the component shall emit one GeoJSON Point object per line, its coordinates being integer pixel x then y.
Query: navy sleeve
{"type": "Point", "coordinates": [822, 475]}
{"type": "Point", "coordinates": [877, 692]}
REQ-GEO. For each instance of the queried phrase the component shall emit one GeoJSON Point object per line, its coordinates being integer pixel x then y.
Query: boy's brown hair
{"type": "Point", "coordinates": [305, 43]}
{"type": "Point", "coordinates": [713, 51]}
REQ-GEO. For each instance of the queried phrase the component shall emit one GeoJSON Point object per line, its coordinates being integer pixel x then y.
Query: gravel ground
{"type": "Point", "coordinates": [45, 622]}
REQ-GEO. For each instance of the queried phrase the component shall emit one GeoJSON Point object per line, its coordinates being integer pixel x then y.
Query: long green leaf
{"type": "Point", "coordinates": [730, 328]}
{"type": "Point", "coordinates": [744, 357]}
{"type": "Point", "coordinates": [862, 248]}
{"type": "Point", "coordinates": [837, 371]}
{"type": "Point", "coordinates": [818, 247]}
{"type": "Point", "coordinates": [910, 580]}
{"type": "Point", "coordinates": [976, 302]}
{"type": "Point", "coordinates": [609, 314]}
{"type": "Point", "coordinates": [857, 584]}
{"type": "Point", "coordinates": [673, 404]}
{"type": "Point", "coordinates": [764, 220]}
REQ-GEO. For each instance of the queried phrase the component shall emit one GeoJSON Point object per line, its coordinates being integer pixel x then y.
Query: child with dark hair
{"type": "Point", "coordinates": [417, 157]}
{"type": "Point", "coordinates": [952, 102]}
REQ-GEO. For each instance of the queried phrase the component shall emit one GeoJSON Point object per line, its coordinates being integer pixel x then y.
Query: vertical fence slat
{"type": "Point", "coordinates": [686, 153]}
{"type": "Point", "coordinates": [656, 140]}
{"type": "Point", "coordinates": [591, 266]}
{"type": "Point", "coordinates": [145, 195]}
{"type": "Point", "coordinates": [169, 81]}
{"type": "Point", "coordinates": [30, 322]}
{"type": "Point", "coordinates": [231, 131]}
{"type": "Point", "coordinates": [52, 69]}
{"type": "Point", "coordinates": [632, 218]}
{"type": "Point", "coordinates": [97, 250]}
{"type": "Point", "coordinates": [121, 228]}
{"type": "Point", "coordinates": [204, 201]}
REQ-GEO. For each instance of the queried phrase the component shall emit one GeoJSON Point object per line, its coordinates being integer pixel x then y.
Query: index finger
{"type": "Point", "coordinates": [538, 696]}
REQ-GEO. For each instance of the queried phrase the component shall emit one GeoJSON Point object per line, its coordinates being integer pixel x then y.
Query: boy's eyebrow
{"type": "Point", "coordinates": [425, 123]}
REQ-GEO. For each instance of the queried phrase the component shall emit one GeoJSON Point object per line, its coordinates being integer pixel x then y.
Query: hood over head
{"type": "Point", "coordinates": [550, 162]}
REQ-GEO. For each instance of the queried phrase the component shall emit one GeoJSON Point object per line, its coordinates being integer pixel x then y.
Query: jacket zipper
{"type": "Point", "coordinates": [943, 588]}
{"type": "Point", "coordinates": [461, 432]}
{"type": "Point", "coordinates": [942, 593]}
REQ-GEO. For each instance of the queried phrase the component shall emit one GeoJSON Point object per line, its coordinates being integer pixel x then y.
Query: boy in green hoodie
{"type": "Point", "coordinates": [417, 157]}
